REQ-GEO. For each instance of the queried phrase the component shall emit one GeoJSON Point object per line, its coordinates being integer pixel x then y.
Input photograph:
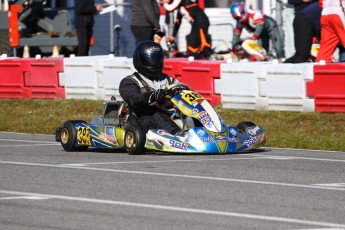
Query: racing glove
{"type": "Point", "coordinates": [152, 97]}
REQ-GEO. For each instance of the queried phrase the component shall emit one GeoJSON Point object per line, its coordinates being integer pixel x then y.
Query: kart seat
{"type": "Point", "coordinates": [113, 113]}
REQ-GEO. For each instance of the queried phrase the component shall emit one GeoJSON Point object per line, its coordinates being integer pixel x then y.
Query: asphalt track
{"type": "Point", "coordinates": [44, 187]}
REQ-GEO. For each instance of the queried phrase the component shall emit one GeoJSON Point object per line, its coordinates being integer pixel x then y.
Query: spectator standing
{"type": "Point", "coordinates": [332, 28]}
{"type": "Point", "coordinates": [300, 4]}
{"type": "Point", "coordinates": [145, 20]}
{"type": "Point", "coordinates": [263, 27]}
{"type": "Point", "coordinates": [306, 26]}
{"type": "Point", "coordinates": [199, 42]}
{"type": "Point", "coordinates": [84, 21]}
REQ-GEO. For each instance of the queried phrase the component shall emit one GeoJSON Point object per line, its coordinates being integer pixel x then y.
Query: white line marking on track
{"type": "Point", "coordinates": [300, 158]}
{"type": "Point", "coordinates": [335, 185]}
{"type": "Point", "coordinates": [311, 150]}
{"type": "Point", "coordinates": [177, 175]}
{"type": "Point", "coordinates": [16, 140]}
{"type": "Point", "coordinates": [27, 145]}
{"type": "Point", "coordinates": [320, 229]}
{"type": "Point", "coordinates": [179, 209]}
{"type": "Point", "coordinates": [163, 161]}
{"type": "Point", "coordinates": [25, 198]}
{"type": "Point", "coordinates": [252, 157]}
{"type": "Point", "coordinates": [37, 143]}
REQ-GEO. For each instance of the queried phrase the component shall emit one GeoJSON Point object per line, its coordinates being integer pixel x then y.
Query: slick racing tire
{"type": "Point", "coordinates": [69, 136]}
{"type": "Point", "coordinates": [135, 137]}
{"type": "Point", "coordinates": [242, 126]}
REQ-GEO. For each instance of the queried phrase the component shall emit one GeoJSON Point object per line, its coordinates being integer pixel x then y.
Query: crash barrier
{"type": "Point", "coordinates": [253, 86]}
{"type": "Point", "coordinates": [328, 87]}
{"type": "Point", "coordinates": [265, 86]}
{"type": "Point", "coordinates": [200, 75]}
{"type": "Point", "coordinates": [95, 77]}
{"type": "Point", "coordinates": [114, 70]}
{"type": "Point", "coordinates": [31, 78]}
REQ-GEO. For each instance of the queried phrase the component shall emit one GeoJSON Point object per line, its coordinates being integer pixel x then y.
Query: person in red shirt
{"type": "Point", "coordinates": [263, 28]}
{"type": "Point", "coordinates": [332, 28]}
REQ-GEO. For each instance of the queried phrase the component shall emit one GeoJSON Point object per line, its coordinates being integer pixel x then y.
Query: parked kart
{"type": "Point", "coordinates": [251, 50]}
{"type": "Point", "coordinates": [246, 49]}
{"type": "Point", "coordinates": [205, 130]}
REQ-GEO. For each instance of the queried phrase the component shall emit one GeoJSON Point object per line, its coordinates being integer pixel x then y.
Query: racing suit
{"type": "Point", "coordinates": [264, 28]}
{"type": "Point", "coordinates": [134, 90]}
{"type": "Point", "coordinates": [332, 28]}
{"type": "Point", "coordinates": [199, 42]}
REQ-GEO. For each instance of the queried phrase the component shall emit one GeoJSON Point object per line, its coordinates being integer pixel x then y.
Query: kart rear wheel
{"type": "Point", "coordinates": [68, 136]}
{"type": "Point", "coordinates": [134, 141]}
{"type": "Point", "coordinates": [242, 126]}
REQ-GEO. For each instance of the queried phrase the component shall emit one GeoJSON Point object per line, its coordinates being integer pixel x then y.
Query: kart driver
{"type": "Point", "coordinates": [262, 26]}
{"type": "Point", "coordinates": [144, 90]}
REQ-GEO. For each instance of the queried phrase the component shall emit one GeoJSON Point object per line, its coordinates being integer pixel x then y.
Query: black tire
{"type": "Point", "coordinates": [68, 136]}
{"type": "Point", "coordinates": [5, 43]}
{"type": "Point", "coordinates": [242, 126]}
{"type": "Point", "coordinates": [135, 137]}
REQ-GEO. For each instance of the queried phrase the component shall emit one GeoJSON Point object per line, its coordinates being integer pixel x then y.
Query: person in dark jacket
{"type": "Point", "coordinates": [145, 20]}
{"type": "Point", "coordinates": [84, 21]}
{"type": "Point", "coordinates": [144, 90]}
{"type": "Point", "coordinates": [300, 4]}
{"type": "Point", "coordinates": [306, 26]}
{"type": "Point", "coordinates": [199, 41]}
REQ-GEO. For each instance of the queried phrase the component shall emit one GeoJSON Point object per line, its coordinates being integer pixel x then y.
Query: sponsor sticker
{"type": "Point", "coordinates": [253, 131]}
{"type": "Point", "coordinates": [201, 132]}
{"type": "Point", "coordinates": [233, 131]}
{"type": "Point", "coordinates": [251, 141]}
{"type": "Point", "coordinates": [178, 145]}
{"type": "Point", "coordinates": [108, 138]}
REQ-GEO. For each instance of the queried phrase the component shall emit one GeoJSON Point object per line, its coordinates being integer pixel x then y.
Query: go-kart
{"type": "Point", "coordinates": [204, 129]}
{"type": "Point", "coordinates": [251, 50]}
{"type": "Point", "coordinates": [245, 49]}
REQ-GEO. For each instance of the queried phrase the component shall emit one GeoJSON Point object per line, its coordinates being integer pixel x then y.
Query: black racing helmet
{"type": "Point", "coordinates": [148, 59]}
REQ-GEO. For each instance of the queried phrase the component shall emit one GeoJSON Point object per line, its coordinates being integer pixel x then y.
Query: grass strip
{"type": "Point", "coordinates": [302, 130]}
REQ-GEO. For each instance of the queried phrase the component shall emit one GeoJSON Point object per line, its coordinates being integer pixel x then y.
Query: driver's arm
{"type": "Point", "coordinates": [259, 20]}
{"type": "Point", "coordinates": [130, 93]}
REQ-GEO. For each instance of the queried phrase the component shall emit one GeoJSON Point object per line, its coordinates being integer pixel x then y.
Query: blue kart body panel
{"type": "Point", "coordinates": [200, 140]}
{"type": "Point", "coordinates": [99, 136]}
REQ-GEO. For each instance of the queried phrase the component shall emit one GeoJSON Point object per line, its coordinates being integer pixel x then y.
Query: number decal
{"type": "Point", "coordinates": [190, 97]}
{"type": "Point", "coordinates": [84, 136]}
{"type": "Point", "coordinates": [254, 46]}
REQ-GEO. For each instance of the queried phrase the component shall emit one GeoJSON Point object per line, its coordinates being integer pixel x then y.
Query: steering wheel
{"type": "Point", "coordinates": [176, 88]}
{"type": "Point", "coordinates": [172, 90]}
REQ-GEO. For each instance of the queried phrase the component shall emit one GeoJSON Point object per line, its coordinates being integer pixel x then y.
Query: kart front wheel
{"type": "Point", "coordinates": [68, 137]}
{"type": "Point", "coordinates": [134, 141]}
{"type": "Point", "coordinates": [242, 126]}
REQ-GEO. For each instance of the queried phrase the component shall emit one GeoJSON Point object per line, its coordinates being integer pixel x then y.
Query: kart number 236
{"type": "Point", "coordinates": [84, 136]}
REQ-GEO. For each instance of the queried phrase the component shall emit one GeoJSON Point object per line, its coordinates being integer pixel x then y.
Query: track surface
{"type": "Point", "coordinates": [44, 187]}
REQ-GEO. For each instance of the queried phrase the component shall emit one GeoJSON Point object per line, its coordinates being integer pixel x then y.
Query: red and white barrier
{"type": "Point", "coordinates": [31, 78]}
{"type": "Point", "coordinates": [252, 85]}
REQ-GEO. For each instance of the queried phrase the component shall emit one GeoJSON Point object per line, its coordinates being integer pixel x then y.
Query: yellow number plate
{"type": "Point", "coordinates": [254, 46]}
{"type": "Point", "coordinates": [84, 136]}
{"type": "Point", "coordinates": [191, 97]}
